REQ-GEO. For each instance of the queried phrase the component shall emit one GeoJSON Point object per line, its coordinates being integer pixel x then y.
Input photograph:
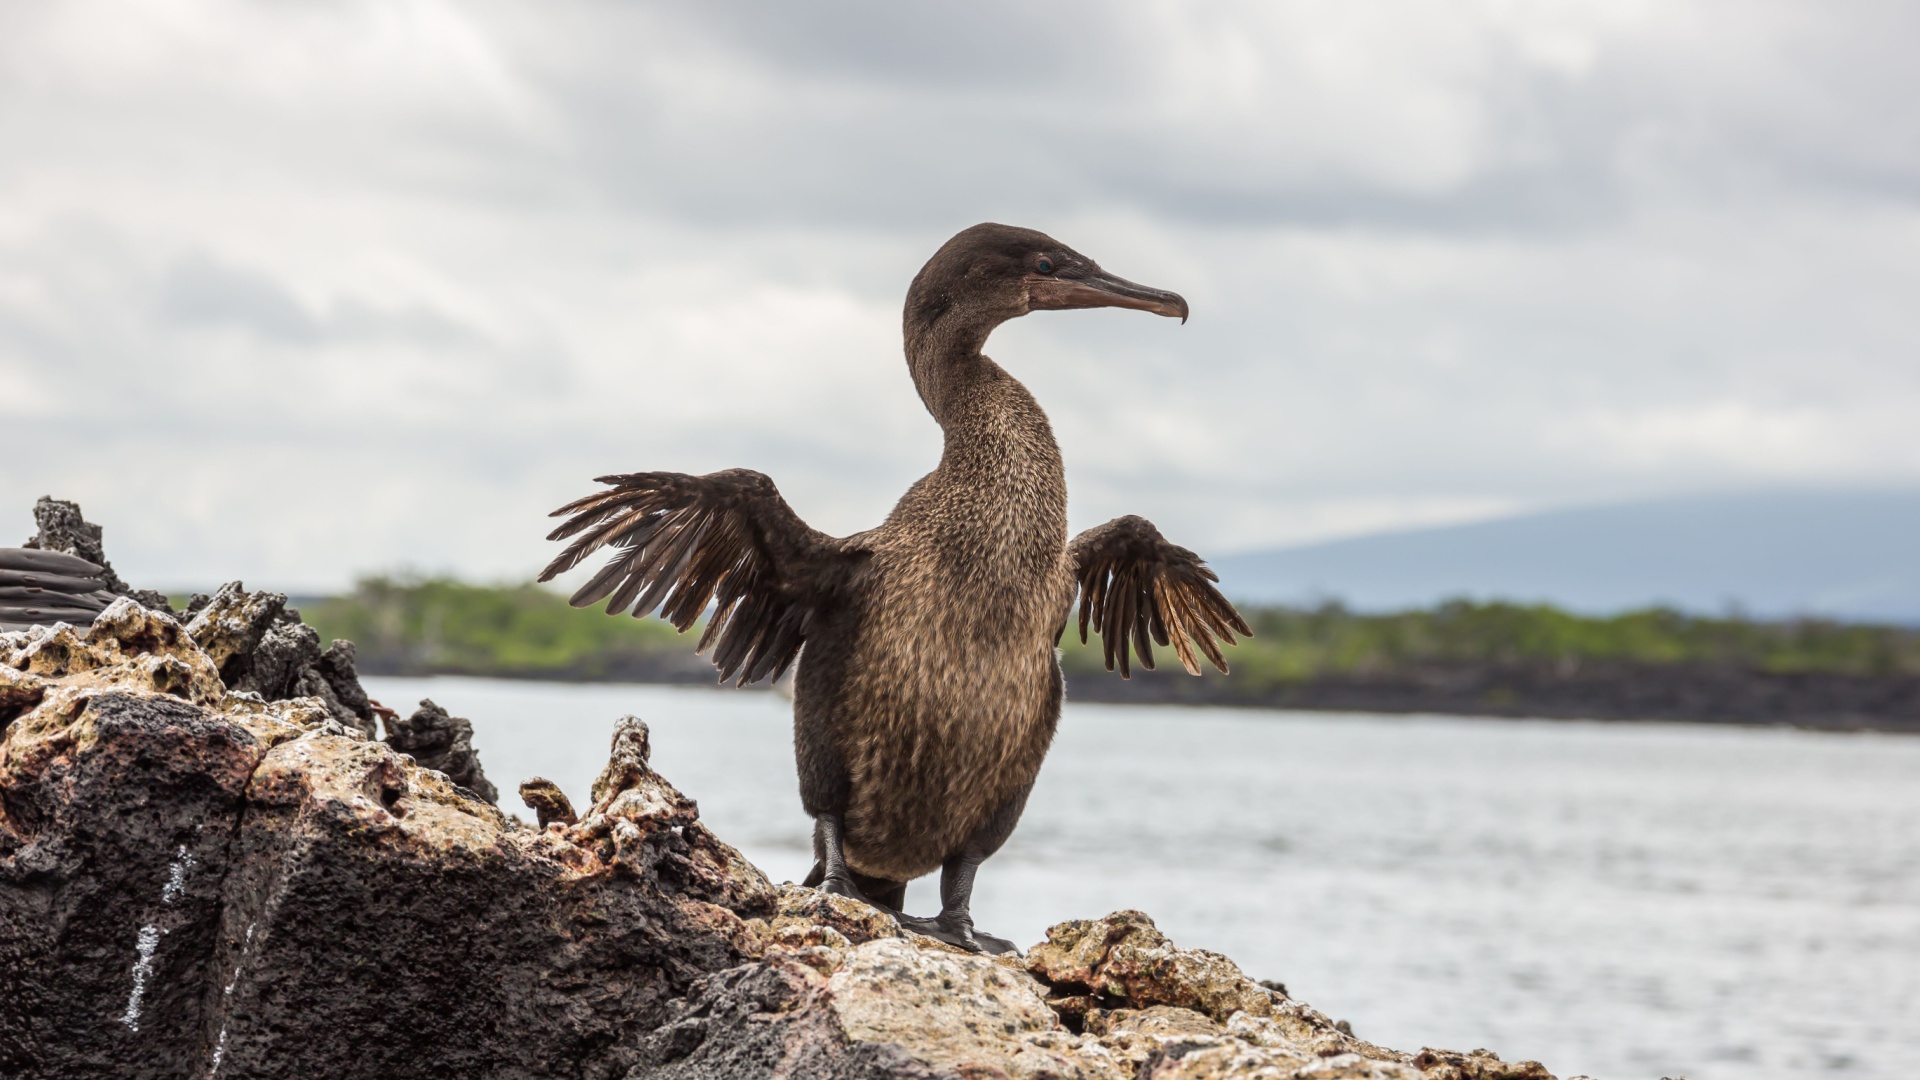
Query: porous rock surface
{"type": "Point", "coordinates": [439, 740]}
{"type": "Point", "coordinates": [261, 647]}
{"type": "Point", "coordinates": [197, 881]}
{"type": "Point", "coordinates": [60, 526]}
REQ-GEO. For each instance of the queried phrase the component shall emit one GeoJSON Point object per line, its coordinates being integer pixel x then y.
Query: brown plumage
{"type": "Point", "coordinates": [1134, 584]}
{"type": "Point", "coordinates": [930, 689]}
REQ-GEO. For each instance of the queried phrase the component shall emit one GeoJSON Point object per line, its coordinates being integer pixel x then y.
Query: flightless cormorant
{"type": "Point", "coordinates": [930, 686]}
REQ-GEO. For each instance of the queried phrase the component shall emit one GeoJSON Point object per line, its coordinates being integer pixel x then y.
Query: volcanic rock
{"type": "Point", "coordinates": [63, 528]}
{"type": "Point", "coordinates": [261, 647]}
{"type": "Point", "coordinates": [439, 740]}
{"type": "Point", "coordinates": [548, 803]}
{"type": "Point", "coordinates": [199, 881]}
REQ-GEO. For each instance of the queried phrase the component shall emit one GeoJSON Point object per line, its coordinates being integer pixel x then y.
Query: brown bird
{"type": "Point", "coordinates": [930, 686]}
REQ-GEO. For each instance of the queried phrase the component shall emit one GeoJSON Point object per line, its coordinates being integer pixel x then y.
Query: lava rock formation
{"type": "Point", "coordinates": [206, 871]}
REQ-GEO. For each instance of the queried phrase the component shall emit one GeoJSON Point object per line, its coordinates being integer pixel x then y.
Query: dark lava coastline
{"type": "Point", "coordinates": [1591, 691]}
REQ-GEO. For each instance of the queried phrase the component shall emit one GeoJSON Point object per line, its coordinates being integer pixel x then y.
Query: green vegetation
{"type": "Point", "coordinates": [440, 625]}
{"type": "Point", "coordinates": [1294, 644]}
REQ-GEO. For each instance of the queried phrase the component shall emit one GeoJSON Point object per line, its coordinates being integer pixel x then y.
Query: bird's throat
{"type": "Point", "coordinates": [1001, 482]}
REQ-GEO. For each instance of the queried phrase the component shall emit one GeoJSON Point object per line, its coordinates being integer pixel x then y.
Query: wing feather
{"type": "Point", "coordinates": [683, 544]}
{"type": "Point", "coordinates": [1137, 590]}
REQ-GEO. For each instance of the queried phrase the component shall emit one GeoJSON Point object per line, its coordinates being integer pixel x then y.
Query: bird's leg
{"type": "Point", "coordinates": [956, 899]}
{"type": "Point", "coordinates": [832, 864]}
{"type": "Point", "coordinates": [887, 895]}
{"type": "Point", "coordinates": [954, 924]}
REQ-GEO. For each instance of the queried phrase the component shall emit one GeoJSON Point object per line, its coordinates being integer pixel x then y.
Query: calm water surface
{"type": "Point", "coordinates": [1621, 899]}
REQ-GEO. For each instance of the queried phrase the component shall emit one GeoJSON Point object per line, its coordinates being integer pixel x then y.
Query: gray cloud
{"type": "Point", "coordinates": [201, 292]}
{"type": "Point", "coordinates": [292, 291]}
{"type": "Point", "coordinates": [873, 114]}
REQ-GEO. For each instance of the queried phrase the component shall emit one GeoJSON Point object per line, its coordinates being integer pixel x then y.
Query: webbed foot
{"type": "Point", "coordinates": [995, 946]}
{"type": "Point", "coordinates": [957, 931]}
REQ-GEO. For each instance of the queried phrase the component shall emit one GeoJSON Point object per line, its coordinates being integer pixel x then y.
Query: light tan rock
{"type": "Point", "coordinates": [126, 648]}
{"type": "Point", "coordinates": [857, 922]}
{"type": "Point", "coordinates": [369, 789]}
{"type": "Point", "coordinates": [1191, 1013]}
{"type": "Point", "coordinates": [956, 1010]}
{"type": "Point", "coordinates": [1477, 1065]}
{"type": "Point", "coordinates": [232, 623]}
{"type": "Point", "coordinates": [1243, 1062]}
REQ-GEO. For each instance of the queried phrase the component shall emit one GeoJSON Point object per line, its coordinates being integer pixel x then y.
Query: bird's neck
{"type": "Point", "coordinates": [973, 399]}
{"type": "Point", "coordinates": [999, 494]}
{"type": "Point", "coordinates": [998, 439]}
{"type": "Point", "coordinates": [948, 369]}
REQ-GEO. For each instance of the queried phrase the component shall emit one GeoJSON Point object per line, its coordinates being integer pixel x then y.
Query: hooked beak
{"type": "Point", "coordinates": [1046, 292]}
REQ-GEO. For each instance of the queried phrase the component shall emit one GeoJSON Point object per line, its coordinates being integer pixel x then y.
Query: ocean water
{"type": "Point", "coordinates": [1625, 900]}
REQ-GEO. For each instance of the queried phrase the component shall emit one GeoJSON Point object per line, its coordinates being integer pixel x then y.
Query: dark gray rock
{"type": "Point", "coordinates": [443, 742]}
{"type": "Point", "coordinates": [109, 910]}
{"type": "Point", "coordinates": [336, 669]}
{"type": "Point", "coordinates": [188, 891]}
{"type": "Point", "coordinates": [63, 528]}
{"type": "Point", "coordinates": [261, 646]}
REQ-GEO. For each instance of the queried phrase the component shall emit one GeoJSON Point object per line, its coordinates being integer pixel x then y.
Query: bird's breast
{"type": "Point", "coordinates": [970, 568]}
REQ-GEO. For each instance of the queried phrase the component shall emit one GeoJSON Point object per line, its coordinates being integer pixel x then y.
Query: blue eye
{"type": "Point", "coordinates": [1045, 266]}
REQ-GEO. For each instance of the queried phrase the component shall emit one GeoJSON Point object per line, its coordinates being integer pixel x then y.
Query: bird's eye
{"type": "Point", "coordinates": [1045, 265]}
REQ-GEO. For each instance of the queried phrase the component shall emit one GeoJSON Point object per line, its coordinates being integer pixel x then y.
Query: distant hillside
{"type": "Point", "coordinates": [1853, 555]}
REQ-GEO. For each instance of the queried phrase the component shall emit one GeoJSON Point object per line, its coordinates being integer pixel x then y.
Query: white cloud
{"type": "Point", "coordinates": [294, 290]}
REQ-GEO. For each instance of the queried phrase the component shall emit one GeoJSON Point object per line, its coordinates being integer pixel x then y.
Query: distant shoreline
{"type": "Point", "coordinates": [1816, 707]}
{"type": "Point", "coordinates": [1615, 693]}
{"type": "Point", "coordinates": [1458, 659]}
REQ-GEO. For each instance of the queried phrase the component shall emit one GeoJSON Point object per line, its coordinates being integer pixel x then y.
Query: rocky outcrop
{"type": "Point", "coordinates": [262, 648]}
{"type": "Point", "coordinates": [62, 528]}
{"type": "Point", "coordinates": [258, 643]}
{"type": "Point", "coordinates": [198, 881]}
{"type": "Point", "coordinates": [195, 882]}
{"type": "Point", "coordinates": [438, 740]}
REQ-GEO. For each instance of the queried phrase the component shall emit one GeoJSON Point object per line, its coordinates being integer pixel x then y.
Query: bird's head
{"type": "Point", "coordinates": [991, 273]}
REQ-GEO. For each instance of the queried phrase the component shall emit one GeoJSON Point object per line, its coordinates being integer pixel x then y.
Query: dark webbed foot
{"type": "Point", "coordinates": [995, 946]}
{"type": "Point", "coordinates": [957, 930]}
{"type": "Point", "coordinates": [954, 924]}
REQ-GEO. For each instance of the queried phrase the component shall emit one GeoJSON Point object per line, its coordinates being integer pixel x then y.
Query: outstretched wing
{"type": "Point", "coordinates": [683, 542]}
{"type": "Point", "coordinates": [1136, 586]}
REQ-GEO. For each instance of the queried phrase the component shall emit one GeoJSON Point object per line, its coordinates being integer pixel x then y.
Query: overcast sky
{"type": "Point", "coordinates": [295, 290]}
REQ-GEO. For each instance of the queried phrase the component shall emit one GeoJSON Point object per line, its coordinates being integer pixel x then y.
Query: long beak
{"type": "Point", "coordinates": [1100, 289]}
